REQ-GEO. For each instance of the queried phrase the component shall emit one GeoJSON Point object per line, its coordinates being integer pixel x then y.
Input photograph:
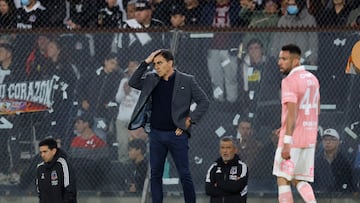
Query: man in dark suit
{"type": "Point", "coordinates": [163, 109]}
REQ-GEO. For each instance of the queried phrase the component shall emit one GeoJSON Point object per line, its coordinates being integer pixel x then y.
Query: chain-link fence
{"type": "Point", "coordinates": [49, 78]}
{"type": "Point", "coordinates": [44, 93]}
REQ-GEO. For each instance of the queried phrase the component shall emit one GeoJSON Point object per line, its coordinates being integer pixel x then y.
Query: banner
{"type": "Point", "coordinates": [31, 96]}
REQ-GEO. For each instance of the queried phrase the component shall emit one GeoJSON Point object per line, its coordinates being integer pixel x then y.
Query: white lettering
{"type": "Point", "coordinates": [309, 123]}
{"type": "Point", "coordinates": [38, 91]}
{"type": "Point", "coordinates": [23, 91]}
{"type": "Point", "coordinates": [30, 95]}
{"type": "Point", "coordinates": [2, 91]}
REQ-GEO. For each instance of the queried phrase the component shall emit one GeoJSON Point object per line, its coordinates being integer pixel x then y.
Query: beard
{"type": "Point", "coordinates": [285, 72]}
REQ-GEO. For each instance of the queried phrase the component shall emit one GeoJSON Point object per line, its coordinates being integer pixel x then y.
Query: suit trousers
{"type": "Point", "coordinates": [160, 143]}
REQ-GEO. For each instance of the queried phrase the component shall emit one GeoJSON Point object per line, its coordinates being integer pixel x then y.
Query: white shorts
{"type": "Point", "coordinates": [299, 167]}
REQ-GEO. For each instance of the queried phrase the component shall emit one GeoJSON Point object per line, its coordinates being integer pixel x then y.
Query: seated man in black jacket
{"type": "Point", "coordinates": [227, 178]}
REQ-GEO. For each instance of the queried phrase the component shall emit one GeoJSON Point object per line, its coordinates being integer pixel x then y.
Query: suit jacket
{"type": "Point", "coordinates": [185, 91]}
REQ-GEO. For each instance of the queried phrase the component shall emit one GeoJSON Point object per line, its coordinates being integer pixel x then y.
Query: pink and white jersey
{"type": "Point", "coordinates": [302, 88]}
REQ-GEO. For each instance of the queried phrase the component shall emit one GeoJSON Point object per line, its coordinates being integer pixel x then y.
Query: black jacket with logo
{"type": "Point", "coordinates": [55, 180]}
{"type": "Point", "coordinates": [227, 183]}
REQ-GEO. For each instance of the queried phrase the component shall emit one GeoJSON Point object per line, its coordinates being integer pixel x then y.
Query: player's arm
{"type": "Point", "coordinates": [290, 125]}
{"type": "Point", "coordinates": [290, 118]}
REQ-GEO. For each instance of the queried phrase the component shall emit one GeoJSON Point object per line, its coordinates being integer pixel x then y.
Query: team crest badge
{"type": "Point", "coordinates": [32, 18]}
{"type": "Point", "coordinates": [54, 178]}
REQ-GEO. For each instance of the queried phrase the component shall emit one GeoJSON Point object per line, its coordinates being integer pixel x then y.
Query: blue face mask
{"type": "Point", "coordinates": [25, 2]}
{"type": "Point", "coordinates": [292, 9]}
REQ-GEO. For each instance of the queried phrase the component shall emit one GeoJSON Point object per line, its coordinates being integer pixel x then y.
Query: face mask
{"type": "Point", "coordinates": [292, 9]}
{"type": "Point", "coordinates": [25, 2]}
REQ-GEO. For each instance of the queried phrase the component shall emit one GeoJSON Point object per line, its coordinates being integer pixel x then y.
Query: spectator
{"type": "Point", "coordinates": [221, 64]}
{"type": "Point", "coordinates": [315, 8]}
{"type": "Point", "coordinates": [30, 15]}
{"type": "Point", "coordinates": [9, 69]}
{"type": "Point", "coordinates": [177, 16]}
{"type": "Point", "coordinates": [55, 13]}
{"type": "Point", "coordinates": [86, 138]}
{"type": "Point", "coordinates": [89, 153]}
{"type": "Point", "coordinates": [143, 42]}
{"type": "Point", "coordinates": [139, 166]}
{"type": "Point", "coordinates": [222, 13]}
{"type": "Point", "coordinates": [55, 122]}
{"type": "Point", "coordinates": [143, 16]}
{"type": "Point", "coordinates": [131, 9]}
{"type": "Point", "coordinates": [337, 15]}
{"type": "Point", "coordinates": [227, 178]}
{"type": "Point", "coordinates": [261, 87]}
{"type": "Point", "coordinates": [97, 96]}
{"type": "Point", "coordinates": [297, 16]}
{"type": "Point", "coordinates": [333, 169]}
{"type": "Point", "coordinates": [7, 14]}
{"type": "Point", "coordinates": [110, 16]}
{"type": "Point", "coordinates": [268, 17]}
{"type": "Point", "coordinates": [83, 14]}
{"type": "Point", "coordinates": [249, 147]}
{"type": "Point", "coordinates": [260, 79]}
{"type": "Point", "coordinates": [127, 98]}
{"type": "Point", "coordinates": [81, 46]}
{"type": "Point", "coordinates": [36, 60]}
{"type": "Point", "coordinates": [55, 179]}
{"type": "Point", "coordinates": [161, 10]}
{"type": "Point", "coordinates": [246, 12]}
{"type": "Point", "coordinates": [193, 12]}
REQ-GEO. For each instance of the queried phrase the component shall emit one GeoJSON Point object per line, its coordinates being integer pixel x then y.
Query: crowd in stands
{"type": "Point", "coordinates": [28, 14]}
{"type": "Point", "coordinates": [93, 105]}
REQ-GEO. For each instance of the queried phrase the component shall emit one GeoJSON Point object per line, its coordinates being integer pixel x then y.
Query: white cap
{"type": "Point", "coordinates": [331, 132]}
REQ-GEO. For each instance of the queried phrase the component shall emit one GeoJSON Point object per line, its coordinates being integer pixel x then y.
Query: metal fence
{"type": "Point", "coordinates": [57, 64]}
{"type": "Point", "coordinates": [43, 94]}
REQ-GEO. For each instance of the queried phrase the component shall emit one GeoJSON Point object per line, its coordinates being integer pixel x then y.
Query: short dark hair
{"type": "Point", "coordinates": [229, 139]}
{"type": "Point", "coordinates": [50, 142]}
{"type": "Point", "coordinates": [254, 41]}
{"type": "Point", "coordinates": [111, 55]}
{"type": "Point", "coordinates": [7, 47]}
{"type": "Point", "coordinates": [86, 117]}
{"type": "Point", "coordinates": [177, 8]}
{"type": "Point", "coordinates": [292, 48]}
{"type": "Point", "coordinates": [244, 120]}
{"type": "Point", "coordinates": [166, 53]}
{"type": "Point", "coordinates": [138, 144]}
